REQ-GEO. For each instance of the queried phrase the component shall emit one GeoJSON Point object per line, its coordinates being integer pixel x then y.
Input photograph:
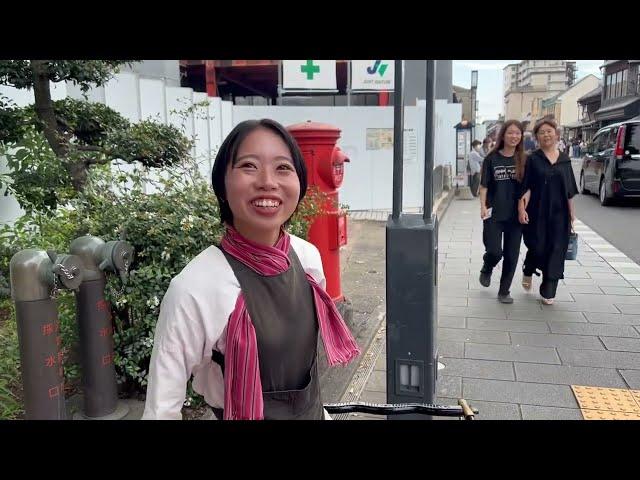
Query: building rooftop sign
{"type": "Point", "coordinates": [374, 75]}
{"type": "Point", "coordinates": [308, 75]}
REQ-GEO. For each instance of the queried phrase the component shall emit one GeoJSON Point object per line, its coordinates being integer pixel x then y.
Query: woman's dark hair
{"type": "Point", "coordinates": [520, 156]}
{"type": "Point", "coordinates": [229, 151]}
{"type": "Point", "coordinates": [475, 143]}
{"type": "Point", "coordinates": [548, 120]}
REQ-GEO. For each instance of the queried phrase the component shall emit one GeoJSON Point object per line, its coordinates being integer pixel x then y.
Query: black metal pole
{"type": "Point", "coordinates": [428, 139]}
{"type": "Point", "coordinates": [398, 136]}
{"type": "Point", "coordinates": [411, 278]}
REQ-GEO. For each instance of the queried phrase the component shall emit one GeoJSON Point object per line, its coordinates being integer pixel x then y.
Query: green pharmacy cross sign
{"type": "Point", "coordinates": [310, 69]}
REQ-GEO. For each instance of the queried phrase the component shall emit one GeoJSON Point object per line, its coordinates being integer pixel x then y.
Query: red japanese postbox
{"type": "Point", "coordinates": [325, 169]}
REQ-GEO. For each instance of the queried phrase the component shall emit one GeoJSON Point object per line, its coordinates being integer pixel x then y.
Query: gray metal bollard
{"type": "Point", "coordinates": [95, 326]}
{"type": "Point", "coordinates": [35, 277]}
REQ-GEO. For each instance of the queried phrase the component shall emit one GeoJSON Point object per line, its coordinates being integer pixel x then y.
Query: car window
{"type": "Point", "coordinates": [592, 145]}
{"type": "Point", "coordinates": [632, 142]}
{"type": "Point", "coordinates": [611, 139]}
{"type": "Point", "coordinates": [601, 142]}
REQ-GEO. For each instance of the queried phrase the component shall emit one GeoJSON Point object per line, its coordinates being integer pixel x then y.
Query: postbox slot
{"type": "Point", "coordinates": [342, 229]}
{"type": "Point", "coordinates": [337, 229]}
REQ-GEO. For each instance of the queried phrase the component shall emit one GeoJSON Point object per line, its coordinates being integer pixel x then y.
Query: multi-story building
{"type": "Point", "coordinates": [555, 74]}
{"type": "Point", "coordinates": [564, 106]}
{"type": "Point", "coordinates": [527, 83]}
{"type": "Point", "coordinates": [620, 96]}
{"type": "Point", "coordinates": [586, 127]}
{"type": "Point", "coordinates": [463, 95]}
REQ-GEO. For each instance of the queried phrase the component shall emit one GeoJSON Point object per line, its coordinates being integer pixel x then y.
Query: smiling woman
{"type": "Point", "coordinates": [502, 171]}
{"type": "Point", "coordinates": [262, 186]}
{"type": "Point", "coordinates": [244, 317]}
{"type": "Point", "coordinates": [546, 209]}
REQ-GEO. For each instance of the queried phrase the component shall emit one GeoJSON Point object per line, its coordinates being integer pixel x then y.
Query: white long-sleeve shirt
{"type": "Point", "coordinates": [193, 317]}
{"type": "Point", "coordinates": [475, 161]}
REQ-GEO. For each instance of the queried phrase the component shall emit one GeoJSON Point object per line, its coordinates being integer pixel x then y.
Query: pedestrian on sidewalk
{"type": "Point", "coordinates": [244, 317]}
{"type": "Point", "coordinates": [502, 171]}
{"type": "Point", "coordinates": [546, 209]}
{"type": "Point", "coordinates": [529, 143]}
{"type": "Point", "coordinates": [486, 147]}
{"type": "Point", "coordinates": [561, 146]}
{"type": "Point", "coordinates": [579, 147]}
{"type": "Point", "coordinates": [475, 164]}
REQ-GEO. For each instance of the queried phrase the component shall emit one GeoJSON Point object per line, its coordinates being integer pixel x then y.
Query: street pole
{"type": "Point", "coordinates": [411, 274]}
{"type": "Point", "coordinates": [398, 137]}
{"type": "Point", "coordinates": [474, 91]}
{"type": "Point", "coordinates": [279, 101]}
{"type": "Point", "coordinates": [348, 83]}
{"type": "Point", "coordinates": [474, 87]}
{"type": "Point", "coordinates": [428, 142]}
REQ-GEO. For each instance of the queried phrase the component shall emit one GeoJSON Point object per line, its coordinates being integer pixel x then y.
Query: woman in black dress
{"type": "Point", "coordinates": [547, 210]}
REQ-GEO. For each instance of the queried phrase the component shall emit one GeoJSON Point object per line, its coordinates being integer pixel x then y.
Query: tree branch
{"type": "Point", "coordinates": [44, 106]}
{"type": "Point", "coordinates": [96, 161]}
{"type": "Point", "coordinates": [90, 148]}
{"type": "Point", "coordinates": [93, 160]}
{"type": "Point", "coordinates": [109, 154]}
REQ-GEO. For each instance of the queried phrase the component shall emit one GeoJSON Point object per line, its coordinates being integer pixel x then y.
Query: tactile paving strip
{"type": "Point", "coordinates": [599, 403]}
{"type": "Point", "coordinates": [604, 415]}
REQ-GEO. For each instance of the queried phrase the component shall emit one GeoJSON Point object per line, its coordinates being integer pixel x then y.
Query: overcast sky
{"type": "Point", "coordinates": [490, 81]}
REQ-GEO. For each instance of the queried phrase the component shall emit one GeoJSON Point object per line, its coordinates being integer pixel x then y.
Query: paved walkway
{"type": "Point", "coordinates": [518, 361]}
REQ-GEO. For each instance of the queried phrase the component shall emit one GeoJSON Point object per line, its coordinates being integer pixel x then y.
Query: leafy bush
{"type": "Point", "coordinates": [169, 217]}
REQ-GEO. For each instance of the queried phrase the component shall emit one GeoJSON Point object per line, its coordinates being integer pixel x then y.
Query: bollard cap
{"type": "Point", "coordinates": [89, 249]}
{"type": "Point", "coordinates": [33, 274]}
{"type": "Point", "coordinates": [69, 270]}
{"type": "Point", "coordinates": [99, 256]}
{"type": "Point", "coordinates": [117, 256]}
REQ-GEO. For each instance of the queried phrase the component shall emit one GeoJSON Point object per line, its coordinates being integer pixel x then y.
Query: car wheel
{"type": "Point", "coordinates": [583, 189]}
{"type": "Point", "coordinates": [604, 201]}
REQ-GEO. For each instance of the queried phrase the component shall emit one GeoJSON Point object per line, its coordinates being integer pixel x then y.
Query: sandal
{"type": "Point", "coordinates": [527, 282]}
{"type": "Point", "coordinates": [547, 301]}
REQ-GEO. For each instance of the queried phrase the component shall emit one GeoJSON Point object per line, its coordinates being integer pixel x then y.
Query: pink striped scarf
{"type": "Point", "coordinates": [242, 386]}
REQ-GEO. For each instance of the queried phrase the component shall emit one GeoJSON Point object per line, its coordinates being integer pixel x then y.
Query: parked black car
{"type": "Point", "coordinates": [611, 164]}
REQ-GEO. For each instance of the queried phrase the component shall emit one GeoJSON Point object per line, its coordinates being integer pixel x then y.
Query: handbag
{"type": "Point", "coordinates": [572, 250]}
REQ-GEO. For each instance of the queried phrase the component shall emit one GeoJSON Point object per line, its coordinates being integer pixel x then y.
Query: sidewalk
{"type": "Point", "coordinates": [519, 361]}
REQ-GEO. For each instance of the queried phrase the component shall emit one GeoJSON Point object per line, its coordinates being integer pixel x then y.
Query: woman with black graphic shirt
{"type": "Point", "coordinates": [502, 172]}
{"type": "Point", "coordinates": [546, 209]}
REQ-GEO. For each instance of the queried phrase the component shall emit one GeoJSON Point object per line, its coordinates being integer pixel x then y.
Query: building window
{"type": "Point", "coordinates": [620, 91]}
{"type": "Point", "coordinates": [616, 84]}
